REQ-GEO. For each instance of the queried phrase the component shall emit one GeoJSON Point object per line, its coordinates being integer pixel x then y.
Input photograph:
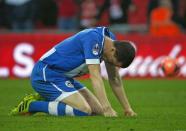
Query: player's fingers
{"type": "Point", "coordinates": [134, 114]}
{"type": "Point", "coordinates": [110, 115]}
{"type": "Point", "coordinates": [130, 114]}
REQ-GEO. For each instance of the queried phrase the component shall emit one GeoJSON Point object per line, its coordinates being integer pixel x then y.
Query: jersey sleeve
{"type": "Point", "coordinates": [92, 47]}
{"type": "Point", "coordinates": [109, 34]}
{"type": "Point", "coordinates": [112, 36]}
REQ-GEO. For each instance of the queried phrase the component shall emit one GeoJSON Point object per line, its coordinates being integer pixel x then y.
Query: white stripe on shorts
{"type": "Point", "coordinates": [52, 108]}
{"type": "Point", "coordinates": [44, 75]}
{"type": "Point", "coordinates": [63, 93]}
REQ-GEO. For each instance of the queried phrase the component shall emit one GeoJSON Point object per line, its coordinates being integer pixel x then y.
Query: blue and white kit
{"type": "Point", "coordinates": [52, 76]}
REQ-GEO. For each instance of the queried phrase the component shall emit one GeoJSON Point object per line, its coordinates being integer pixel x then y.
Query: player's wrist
{"type": "Point", "coordinates": [127, 108]}
{"type": "Point", "coordinates": [130, 113]}
{"type": "Point", "coordinates": [109, 112]}
{"type": "Point", "coordinates": [106, 108]}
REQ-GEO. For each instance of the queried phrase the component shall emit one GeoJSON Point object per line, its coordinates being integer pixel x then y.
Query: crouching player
{"type": "Point", "coordinates": [52, 76]}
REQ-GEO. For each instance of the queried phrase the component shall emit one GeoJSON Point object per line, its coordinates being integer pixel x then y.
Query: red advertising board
{"type": "Point", "coordinates": [19, 52]}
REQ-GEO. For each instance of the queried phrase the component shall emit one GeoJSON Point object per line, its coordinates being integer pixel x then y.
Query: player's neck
{"type": "Point", "coordinates": [107, 50]}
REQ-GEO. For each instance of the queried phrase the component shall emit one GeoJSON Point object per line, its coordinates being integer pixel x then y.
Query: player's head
{"type": "Point", "coordinates": [124, 52]}
{"type": "Point", "coordinates": [119, 53]}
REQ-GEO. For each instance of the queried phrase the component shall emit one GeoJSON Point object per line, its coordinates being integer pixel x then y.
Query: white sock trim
{"type": "Point", "coordinates": [69, 111]}
{"type": "Point", "coordinates": [53, 108]}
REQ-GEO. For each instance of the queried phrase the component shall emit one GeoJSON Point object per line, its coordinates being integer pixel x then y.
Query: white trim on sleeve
{"type": "Point", "coordinates": [92, 61]}
{"type": "Point", "coordinates": [102, 43]}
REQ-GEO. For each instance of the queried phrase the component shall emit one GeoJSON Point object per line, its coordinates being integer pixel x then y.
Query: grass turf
{"type": "Point", "coordinates": [160, 104]}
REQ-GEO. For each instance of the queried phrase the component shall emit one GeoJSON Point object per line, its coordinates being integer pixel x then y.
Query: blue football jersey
{"type": "Point", "coordinates": [71, 56]}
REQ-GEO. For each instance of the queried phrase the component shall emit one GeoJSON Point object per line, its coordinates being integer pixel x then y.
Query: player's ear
{"type": "Point", "coordinates": [113, 49]}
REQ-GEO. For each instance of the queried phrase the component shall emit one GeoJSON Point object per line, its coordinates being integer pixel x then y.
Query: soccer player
{"type": "Point", "coordinates": [53, 76]}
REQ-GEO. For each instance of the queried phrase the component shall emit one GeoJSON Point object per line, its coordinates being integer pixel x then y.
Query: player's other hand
{"type": "Point", "coordinates": [130, 113]}
{"type": "Point", "coordinates": [110, 113]}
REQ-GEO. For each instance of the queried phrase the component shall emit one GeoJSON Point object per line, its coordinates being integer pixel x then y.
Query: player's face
{"type": "Point", "coordinates": [112, 58]}
{"type": "Point", "coordinates": [110, 52]}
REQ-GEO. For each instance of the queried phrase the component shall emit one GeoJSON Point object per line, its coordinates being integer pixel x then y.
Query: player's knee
{"type": "Point", "coordinates": [86, 108]}
{"type": "Point", "coordinates": [100, 111]}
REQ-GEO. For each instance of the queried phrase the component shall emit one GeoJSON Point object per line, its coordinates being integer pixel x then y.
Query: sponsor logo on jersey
{"type": "Point", "coordinates": [95, 49]}
{"type": "Point", "coordinates": [69, 84]}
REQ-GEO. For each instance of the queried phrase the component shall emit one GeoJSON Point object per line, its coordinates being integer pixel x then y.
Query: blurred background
{"type": "Point", "coordinates": [126, 16]}
{"type": "Point", "coordinates": [28, 28]}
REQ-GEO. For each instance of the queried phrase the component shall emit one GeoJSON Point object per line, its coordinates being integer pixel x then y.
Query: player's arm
{"type": "Point", "coordinates": [117, 87]}
{"type": "Point", "coordinates": [99, 90]}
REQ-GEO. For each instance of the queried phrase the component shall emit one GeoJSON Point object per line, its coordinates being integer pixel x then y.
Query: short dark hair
{"type": "Point", "coordinates": [125, 52]}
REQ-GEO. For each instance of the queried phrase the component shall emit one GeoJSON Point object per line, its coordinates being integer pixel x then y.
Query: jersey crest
{"type": "Point", "coordinates": [69, 84]}
{"type": "Point", "coordinates": [96, 49]}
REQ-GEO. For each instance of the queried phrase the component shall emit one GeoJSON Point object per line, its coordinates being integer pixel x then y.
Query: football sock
{"type": "Point", "coordinates": [55, 108]}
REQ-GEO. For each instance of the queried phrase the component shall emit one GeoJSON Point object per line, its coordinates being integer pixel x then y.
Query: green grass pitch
{"type": "Point", "coordinates": [160, 104]}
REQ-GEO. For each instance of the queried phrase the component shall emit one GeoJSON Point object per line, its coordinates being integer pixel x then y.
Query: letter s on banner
{"type": "Point", "coordinates": [20, 58]}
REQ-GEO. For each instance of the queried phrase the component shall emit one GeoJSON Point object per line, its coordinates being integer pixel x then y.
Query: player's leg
{"type": "Point", "coordinates": [62, 97]}
{"type": "Point", "coordinates": [92, 101]}
{"type": "Point", "coordinates": [54, 94]}
{"type": "Point", "coordinates": [29, 105]}
{"type": "Point", "coordinates": [53, 87]}
{"type": "Point", "coordinates": [58, 108]}
{"type": "Point", "coordinates": [89, 97]}
{"type": "Point", "coordinates": [77, 101]}
{"type": "Point", "coordinates": [83, 100]}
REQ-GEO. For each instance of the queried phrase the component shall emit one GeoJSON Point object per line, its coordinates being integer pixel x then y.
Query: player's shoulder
{"type": "Point", "coordinates": [103, 31]}
{"type": "Point", "coordinates": [93, 33]}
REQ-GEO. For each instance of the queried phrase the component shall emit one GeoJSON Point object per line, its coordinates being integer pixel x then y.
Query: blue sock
{"type": "Point", "coordinates": [38, 106]}
{"type": "Point", "coordinates": [55, 108]}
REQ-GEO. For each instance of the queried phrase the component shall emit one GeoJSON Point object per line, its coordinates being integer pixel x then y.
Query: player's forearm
{"type": "Point", "coordinates": [100, 92]}
{"type": "Point", "coordinates": [120, 93]}
{"type": "Point", "coordinates": [99, 89]}
{"type": "Point", "coordinates": [122, 97]}
{"type": "Point", "coordinates": [117, 86]}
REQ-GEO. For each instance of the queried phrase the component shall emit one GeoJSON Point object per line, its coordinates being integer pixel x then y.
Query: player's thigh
{"type": "Point", "coordinates": [77, 101]}
{"type": "Point", "coordinates": [54, 90]}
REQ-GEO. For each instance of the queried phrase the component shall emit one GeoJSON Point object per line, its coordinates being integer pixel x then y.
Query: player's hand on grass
{"type": "Point", "coordinates": [130, 113]}
{"type": "Point", "coordinates": [110, 113]}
